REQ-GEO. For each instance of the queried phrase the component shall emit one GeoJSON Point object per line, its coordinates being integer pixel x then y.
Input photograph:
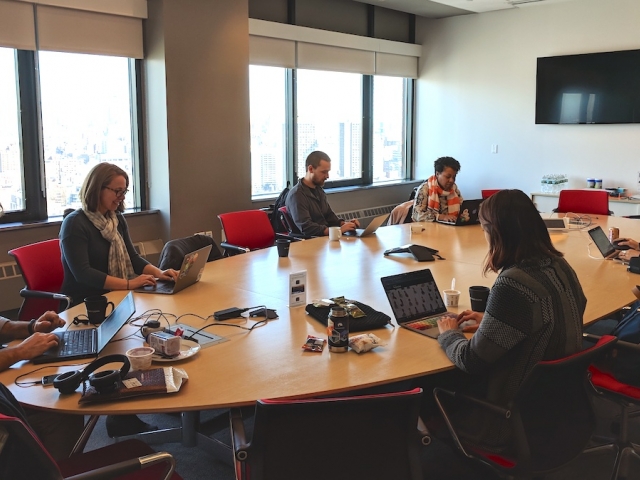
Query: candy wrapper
{"type": "Point", "coordinates": [353, 310]}
{"type": "Point", "coordinates": [314, 344]}
{"type": "Point", "coordinates": [364, 343]}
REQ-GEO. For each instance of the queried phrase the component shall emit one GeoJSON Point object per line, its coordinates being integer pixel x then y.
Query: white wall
{"type": "Point", "coordinates": [477, 87]}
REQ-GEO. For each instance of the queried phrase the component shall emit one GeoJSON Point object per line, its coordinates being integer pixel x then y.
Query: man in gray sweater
{"type": "Point", "coordinates": [307, 203]}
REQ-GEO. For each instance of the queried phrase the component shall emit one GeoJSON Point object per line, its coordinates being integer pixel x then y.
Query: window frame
{"type": "Point", "coordinates": [366, 180]}
{"type": "Point", "coordinates": [31, 139]}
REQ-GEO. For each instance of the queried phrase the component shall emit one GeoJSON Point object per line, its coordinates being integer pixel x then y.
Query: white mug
{"type": "Point", "coordinates": [334, 233]}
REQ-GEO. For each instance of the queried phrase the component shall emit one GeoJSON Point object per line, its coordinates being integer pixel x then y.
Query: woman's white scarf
{"type": "Point", "coordinates": [119, 262]}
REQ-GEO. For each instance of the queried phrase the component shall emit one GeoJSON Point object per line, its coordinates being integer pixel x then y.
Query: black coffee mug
{"type": "Point", "coordinates": [479, 296]}
{"type": "Point", "coordinates": [283, 247]}
{"type": "Point", "coordinates": [97, 308]}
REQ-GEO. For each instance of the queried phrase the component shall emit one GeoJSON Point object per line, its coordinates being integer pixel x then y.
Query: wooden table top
{"type": "Point", "coordinates": [269, 362]}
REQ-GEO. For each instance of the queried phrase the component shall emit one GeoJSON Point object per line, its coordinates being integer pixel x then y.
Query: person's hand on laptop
{"type": "Point", "coordinates": [470, 316]}
{"type": "Point", "coordinates": [35, 345]}
{"type": "Point", "coordinates": [170, 275]}
{"type": "Point", "coordinates": [349, 226]}
{"type": "Point", "coordinates": [447, 218]}
{"type": "Point", "coordinates": [144, 280]}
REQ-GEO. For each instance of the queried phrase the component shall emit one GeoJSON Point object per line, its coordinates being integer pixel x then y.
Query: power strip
{"type": "Point", "coordinates": [203, 337]}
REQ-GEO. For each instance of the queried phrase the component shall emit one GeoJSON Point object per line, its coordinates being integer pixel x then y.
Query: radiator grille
{"type": "Point", "coordinates": [366, 213]}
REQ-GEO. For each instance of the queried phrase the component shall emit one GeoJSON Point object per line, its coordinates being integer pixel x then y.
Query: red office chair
{"type": "Point", "coordinates": [594, 202]}
{"type": "Point", "coordinates": [41, 267]}
{"type": "Point", "coordinates": [371, 436]}
{"type": "Point", "coordinates": [627, 397]}
{"type": "Point", "coordinates": [24, 458]}
{"type": "Point", "coordinates": [247, 230]}
{"type": "Point", "coordinates": [549, 422]}
{"type": "Point", "coordinates": [487, 193]}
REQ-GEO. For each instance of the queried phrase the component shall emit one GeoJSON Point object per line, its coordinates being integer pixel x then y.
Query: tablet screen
{"type": "Point", "coordinates": [602, 241]}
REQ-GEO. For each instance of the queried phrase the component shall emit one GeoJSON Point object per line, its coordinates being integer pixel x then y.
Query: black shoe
{"type": "Point", "coordinates": [125, 425]}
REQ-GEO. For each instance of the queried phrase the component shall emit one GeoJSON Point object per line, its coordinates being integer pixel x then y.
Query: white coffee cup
{"type": "Point", "coordinates": [140, 357]}
{"type": "Point", "coordinates": [416, 228]}
{"type": "Point", "coordinates": [451, 297]}
{"type": "Point", "coordinates": [334, 233]}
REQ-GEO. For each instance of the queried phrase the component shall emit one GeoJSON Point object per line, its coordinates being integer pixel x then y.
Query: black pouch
{"type": "Point", "coordinates": [373, 318]}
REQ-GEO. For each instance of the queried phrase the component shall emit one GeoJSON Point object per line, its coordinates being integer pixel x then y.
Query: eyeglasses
{"type": "Point", "coordinates": [119, 192]}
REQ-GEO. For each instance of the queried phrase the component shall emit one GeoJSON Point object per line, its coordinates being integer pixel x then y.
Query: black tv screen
{"type": "Point", "coordinates": [589, 88]}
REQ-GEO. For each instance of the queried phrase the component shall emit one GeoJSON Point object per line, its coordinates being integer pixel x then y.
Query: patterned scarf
{"type": "Point", "coordinates": [119, 261]}
{"type": "Point", "coordinates": [435, 192]}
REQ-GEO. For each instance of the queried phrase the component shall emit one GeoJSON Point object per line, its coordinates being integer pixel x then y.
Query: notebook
{"type": "Point", "coordinates": [602, 242]}
{"type": "Point", "coordinates": [89, 342]}
{"type": "Point", "coordinates": [556, 224]}
{"type": "Point", "coordinates": [190, 273]}
{"type": "Point", "coordinates": [371, 228]}
{"type": "Point", "coordinates": [468, 214]}
{"type": "Point", "coordinates": [416, 301]}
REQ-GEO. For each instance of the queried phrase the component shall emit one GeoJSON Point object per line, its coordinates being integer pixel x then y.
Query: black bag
{"type": "Point", "coordinates": [373, 318]}
{"type": "Point", "coordinates": [280, 202]}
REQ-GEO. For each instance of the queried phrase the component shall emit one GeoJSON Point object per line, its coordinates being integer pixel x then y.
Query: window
{"type": "Point", "coordinates": [362, 122]}
{"type": "Point", "coordinates": [88, 115]}
{"type": "Point", "coordinates": [12, 194]}
{"type": "Point", "coordinates": [389, 128]}
{"type": "Point", "coordinates": [267, 93]}
{"type": "Point", "coordinates": [330, 119]}
{"type": "Point", "coordinates": [86, 120]}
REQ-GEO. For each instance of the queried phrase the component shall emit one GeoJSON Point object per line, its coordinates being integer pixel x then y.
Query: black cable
{"type": "Point", "coordinates": [39, 382]}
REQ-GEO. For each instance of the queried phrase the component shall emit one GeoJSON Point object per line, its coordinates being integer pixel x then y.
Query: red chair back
{"type": "Point", "coordinates": [41, 267]}
{"type": "Point", "coordinates": [487, 193]}
{"type": "Point", "coordinates": [595, 202]}
{"type": "Point", "coordinates": [248, 228]}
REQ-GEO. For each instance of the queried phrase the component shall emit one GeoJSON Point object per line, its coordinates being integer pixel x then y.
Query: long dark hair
{"type": "Point", "coordinates": [516, 230]}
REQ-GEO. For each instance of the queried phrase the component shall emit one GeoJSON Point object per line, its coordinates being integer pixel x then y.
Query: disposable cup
{"type": "Point", "coordinates": [140, 357]}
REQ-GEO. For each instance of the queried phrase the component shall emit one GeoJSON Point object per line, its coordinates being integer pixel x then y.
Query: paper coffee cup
{"type": "Point", "coordinates": [451, 298]}
{"type": "Point", "coordinates": [140, 357]}
{"type": "Point", "coordinates": [416, 228]}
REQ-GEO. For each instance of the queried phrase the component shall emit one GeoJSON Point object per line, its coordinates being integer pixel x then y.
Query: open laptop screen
{"type": "Point", "coordinates": [413, 295]}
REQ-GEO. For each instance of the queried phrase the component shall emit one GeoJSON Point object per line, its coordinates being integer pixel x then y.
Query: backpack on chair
{"type": "Point", "coordinates": [274, 217]}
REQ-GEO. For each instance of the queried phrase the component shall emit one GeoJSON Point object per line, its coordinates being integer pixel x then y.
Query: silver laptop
{"type": "Point", "coordinates": [190, 273]}
{"type": "Point", "coordinates": [416, 301]}
{"type": "Point", "coordinates": [371, 228]}
{"type": "Point", "coordinates": [89, 342]}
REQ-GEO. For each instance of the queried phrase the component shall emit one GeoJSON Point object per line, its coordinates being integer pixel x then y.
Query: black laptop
{"type": "Point", "coordinates": [416, 301]}
{"type": "Point", "coordinates": [89, 342]}
{"type": "Point", "coordinates": [468, 214]}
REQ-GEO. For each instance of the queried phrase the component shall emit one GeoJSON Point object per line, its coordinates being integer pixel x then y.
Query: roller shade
{"type": "Point", "coordinates": [336, 59]}
{"type": "Point", "coordinates": [16, 25]}
{"type": "Point", "coordinates": [292, 46]}
{"type": "Point", "coordinates": [272, 52]}
{"type": "Point", "coordinates": [66, 30]}
{"type": "Point", "coordinates": [396, 65]}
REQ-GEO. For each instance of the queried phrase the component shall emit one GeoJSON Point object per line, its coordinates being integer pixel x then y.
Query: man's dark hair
{"type": "Point", "coordinates": [516, 230]}
{"type": "Point", "coordinates": [444, 162]}
{"type": "Point", "coordinates": [314, 158]}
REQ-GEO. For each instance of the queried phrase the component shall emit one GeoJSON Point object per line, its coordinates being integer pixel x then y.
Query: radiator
{"type": "Point", "coordinates": [366, 214]}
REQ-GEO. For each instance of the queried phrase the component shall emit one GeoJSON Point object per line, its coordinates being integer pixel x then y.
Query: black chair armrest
{"type": "Point", "coordinates": [234, 248]}
{"type": "Point", "coordinates": [628, 346]}
{"type": "Point", "coordinates": [127, 466]}
{"type": "Point", "coordinates": [239, 439]}
{"type": "Point", "coordinates": [26, 293]}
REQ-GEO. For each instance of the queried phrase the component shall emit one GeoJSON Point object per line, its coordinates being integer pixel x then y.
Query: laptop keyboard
{"type": "Point", "coordinates": [426, 323]}
{"type": "Point", "coordinates": [77, 341]}
{"type": "Point", "coordinates": [164, 286]}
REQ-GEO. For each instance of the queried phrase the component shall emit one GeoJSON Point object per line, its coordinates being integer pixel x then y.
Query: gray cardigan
{"type": "Point", "coordinates": [310, 209]}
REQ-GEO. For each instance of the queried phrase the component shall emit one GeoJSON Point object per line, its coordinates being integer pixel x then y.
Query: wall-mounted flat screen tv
{"type": "Point", "coordinates": [589, 88]}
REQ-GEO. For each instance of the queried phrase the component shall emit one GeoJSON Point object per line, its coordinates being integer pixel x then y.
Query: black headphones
{"type": "Point", "coordinates": [104, 382]}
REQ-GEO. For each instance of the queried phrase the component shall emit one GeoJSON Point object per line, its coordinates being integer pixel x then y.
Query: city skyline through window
{"type": "Point", "coordinates": [329, 107]}
{"type": "Point", "coordinates": [86, 120]}
{"type": "Point", "coordinates": [12, 196]}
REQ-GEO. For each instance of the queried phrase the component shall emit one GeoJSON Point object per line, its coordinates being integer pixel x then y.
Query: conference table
{"type": "Point", "coordinates": [268, 362]}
